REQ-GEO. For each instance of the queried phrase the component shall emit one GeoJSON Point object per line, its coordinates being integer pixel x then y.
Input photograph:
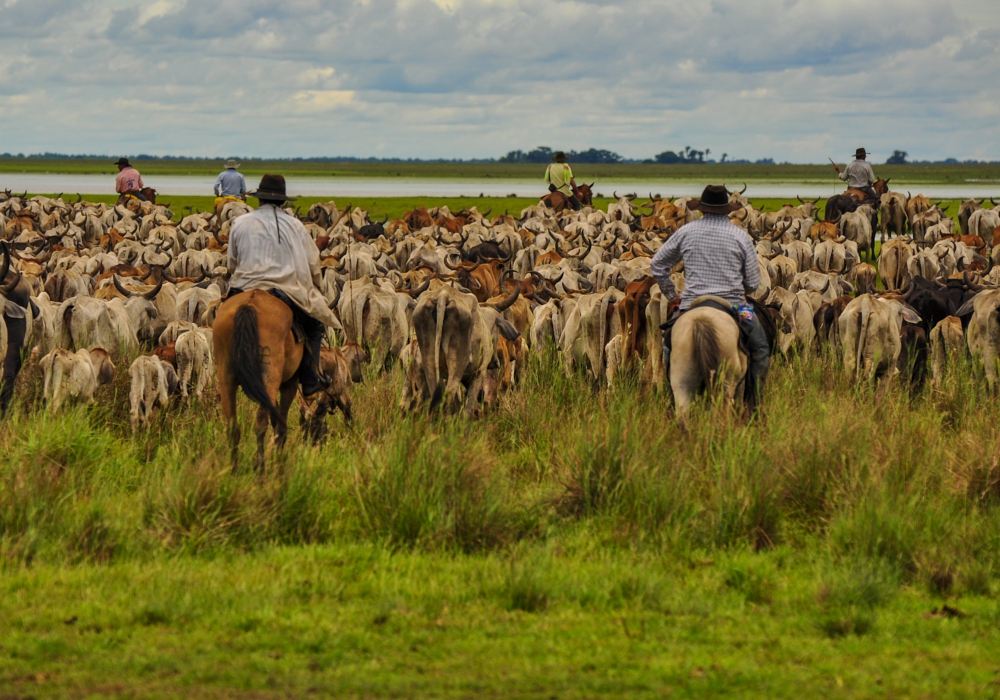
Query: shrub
{"type": "Point", "coordinates": [431, 490]}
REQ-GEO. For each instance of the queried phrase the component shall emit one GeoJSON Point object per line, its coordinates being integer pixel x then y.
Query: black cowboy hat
{"type": "Point", "coordinates": [559, 157]}
{"type": "Point", "coordinates": [861, 153]}
{"type": "Point", "coordinates": [271, 187]}
{"type": "Point", "coordinates": [123, 161]}
{"type": "Point", "coordinates": [714, 200]}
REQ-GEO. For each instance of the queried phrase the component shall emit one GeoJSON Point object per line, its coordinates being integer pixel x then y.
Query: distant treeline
{"type": "Point", "coordinates": [541, 154]}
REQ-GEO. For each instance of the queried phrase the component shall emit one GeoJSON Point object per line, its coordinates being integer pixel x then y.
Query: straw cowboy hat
{"type": "Point", "coordinates": [231, 163]}
{"type": "Point", "coordinates": [714, 200]}
{"type": "Point", "coordinates": [272, 187]}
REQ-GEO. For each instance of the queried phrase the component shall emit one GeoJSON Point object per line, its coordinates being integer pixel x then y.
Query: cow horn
{"type": "Point", "coordinates": [12, 285]}
{"type": "Point", "coordinates": [156, 290]}
{"type": "Point", "coordinates": [502, 306]}
{"type": "Point", "coordinates": [121, 289]}
{"type": "Point", "coordinates": [967, 278]}
{"type": "Point", "coordinates": [204, 275]}
{"type": "Point", "coordinates": [421, 289]}
{"type": "Point", "coordinates": [6, 260]}
{"type": "Point", "coordinates": [615, 194]}
{"type": "Point", "coordinates": [744, 188]}
{"type": "Point", "coordinates": [487, 212]}
{"type": "Point", "coordinates": [908, 196]}
{"type": "Point", "coordinates": [993, 201]}
{"type": "Point", "coordinates": [800, 199]}
{"type": "Point", "coordinates": [453, 267]}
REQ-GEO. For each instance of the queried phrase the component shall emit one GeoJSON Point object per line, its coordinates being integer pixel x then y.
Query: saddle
{"type": "Point", "coordinates": [297, 331]}
{"type": "Point", "coordinates": [712, 302]}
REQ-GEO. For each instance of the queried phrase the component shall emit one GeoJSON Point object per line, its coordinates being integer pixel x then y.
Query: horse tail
{"type": "Point", "coordinates": [247, 363]}
{"type": "Point", "coordinates": [706, 351]}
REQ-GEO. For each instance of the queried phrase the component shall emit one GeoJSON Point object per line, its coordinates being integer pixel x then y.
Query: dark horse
{"type": "Point", "coordinates": [558, 202]}
{"type": "Point", "coordinates": [840, 204]}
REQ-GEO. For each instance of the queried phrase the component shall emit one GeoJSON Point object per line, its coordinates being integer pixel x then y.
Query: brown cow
{"type": "Point", "coordinates": [343, 367]}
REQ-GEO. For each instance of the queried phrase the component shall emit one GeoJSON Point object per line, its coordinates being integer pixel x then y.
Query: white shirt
{"type": "Point", "coordinates": [858, 174]}
{"type": "Point", "coordinates": [268, 249]}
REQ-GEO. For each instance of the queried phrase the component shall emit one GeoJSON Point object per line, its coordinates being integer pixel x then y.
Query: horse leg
{"type": "Point", "coordinates": [260, 429]}
{"type": "Point", "coordinates": [227, 395]}
{"type": "Point", "coordinates": [286, 396]}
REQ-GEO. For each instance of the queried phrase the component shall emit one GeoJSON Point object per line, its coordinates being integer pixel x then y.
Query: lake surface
{"type": "Point", "coordinates": [337, 187]}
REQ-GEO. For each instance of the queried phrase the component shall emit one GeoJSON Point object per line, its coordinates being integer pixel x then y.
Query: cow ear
{"type": "Point", "coordinates": [506, 329]}
{"type": "Point", "coordinates": [910, 314]}
{"type": "Point", "coordinates": [966, 308]}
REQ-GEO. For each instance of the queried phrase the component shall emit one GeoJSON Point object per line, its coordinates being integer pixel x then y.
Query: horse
{"type": "Point", "coordinates": [256, 350]}
{"type": "Point", "coordinates": [850, 200]}
{"type": "Point", "coordinates": [704, 353]}
{"type": "Point", "coordinates": [557, 201]}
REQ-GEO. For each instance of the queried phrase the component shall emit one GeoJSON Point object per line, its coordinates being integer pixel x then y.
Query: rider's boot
{"type": "Point", "coordinates": [311, 376]}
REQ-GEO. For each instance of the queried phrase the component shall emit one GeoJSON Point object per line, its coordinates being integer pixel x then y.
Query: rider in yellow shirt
{"type": "Point", "coordinates": [560, 179]}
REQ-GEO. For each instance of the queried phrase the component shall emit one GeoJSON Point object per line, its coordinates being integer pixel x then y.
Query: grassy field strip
{"type": "Point", "coordinates": [899, 174]}
{"type": "Point", "coordinates": [572, 543]}
{"type": "Point", "coordinates": [395, 207]}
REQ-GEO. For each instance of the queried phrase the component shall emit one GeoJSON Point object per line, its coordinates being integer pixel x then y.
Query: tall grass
{"type": "Point", "coordinates": [865, 474]}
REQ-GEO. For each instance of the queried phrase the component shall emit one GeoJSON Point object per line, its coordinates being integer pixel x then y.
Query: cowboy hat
{"type": "Point", "coordinates": [123, 161]}
{"type": "Point", "coordinates": [231, 163]}
{"type": "Point", "coordinates": [559, 157]}
{"type": "Point", "coordinates": [714, 200]}
{"type": "Point", "coordinates": [272, 187]}
{"type": "Point", "coordinates": [861, 153]}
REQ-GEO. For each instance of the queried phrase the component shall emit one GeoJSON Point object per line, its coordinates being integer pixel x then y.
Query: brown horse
{"type": "Point", "coordinates": [255, 349]}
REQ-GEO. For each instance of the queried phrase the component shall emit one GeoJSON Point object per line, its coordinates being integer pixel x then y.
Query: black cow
{"type": "Point", "coordinates": [15, 290]}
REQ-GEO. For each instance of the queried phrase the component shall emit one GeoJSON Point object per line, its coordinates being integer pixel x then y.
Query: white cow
{"type": "Point", "coordinates": [75, 376]}
{"type": "Point", "coordinates": [153, 381]}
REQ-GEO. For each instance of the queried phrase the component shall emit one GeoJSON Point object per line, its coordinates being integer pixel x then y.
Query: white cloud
{"type": "Point", "coordinates": [789, 79]}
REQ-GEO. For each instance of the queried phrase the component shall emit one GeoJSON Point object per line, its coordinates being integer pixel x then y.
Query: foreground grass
{"type": "Point", "coordinates": [573, 543]}
{"type": "Point", "coordinates": [900, 174]}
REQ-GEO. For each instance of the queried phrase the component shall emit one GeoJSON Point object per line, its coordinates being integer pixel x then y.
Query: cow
{"type": "Point", "coordinates": [455, 341]}
{"type": "Point", "coordinates": [870, 335]}
{"type": "Point", "coordinates": [983, 334]}
{"type": "Point", "coordinates": [893, 211]}
{"type": "Point", "coordinates": [153, 383]}
{"type": "Point", "coordinates": [796, 332]}
{"type": "Point", "coordinates": [193, 353]}
{"type": "Point", "coordinates": [343, 368]}
{"type": "Point", "coordinates": [375, 317]}
{"type": "Point", "coordinates": [892, 262]}
{"type": "Point", "coordinates": [75, 376]}
{"type": "Point", "coordinates": [965, 210]}
{"type": "Point", "coordinates": [947, 344]}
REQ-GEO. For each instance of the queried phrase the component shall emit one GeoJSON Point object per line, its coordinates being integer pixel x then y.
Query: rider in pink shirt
{"type": "Point", "coordinates": [129, 181]}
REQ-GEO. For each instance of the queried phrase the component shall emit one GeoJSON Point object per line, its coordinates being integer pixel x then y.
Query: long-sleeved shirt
{"type": "Point", "coordinates": [858, 174]}
{"type": "Point", "coordinates": [719, 258]}
{"type": "Point", "coordinates": [128, 180]}
{"type": "Point", "coordinates": [230, 183]}
{"type": "Point", "coordinates": [268, 249]}
{"type": "Point", "coordinates": [559, 175]}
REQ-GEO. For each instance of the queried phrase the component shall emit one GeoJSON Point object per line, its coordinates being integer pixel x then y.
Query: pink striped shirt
{"type": "Point", "coordinates": [128, 180]}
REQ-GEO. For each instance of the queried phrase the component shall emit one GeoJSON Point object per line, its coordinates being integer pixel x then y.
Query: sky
{"type": "Point", "coordinates": [792, 80]}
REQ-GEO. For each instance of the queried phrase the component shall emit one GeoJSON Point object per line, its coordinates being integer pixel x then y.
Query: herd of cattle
{"type": "Point", "coordinates": [461, 299]}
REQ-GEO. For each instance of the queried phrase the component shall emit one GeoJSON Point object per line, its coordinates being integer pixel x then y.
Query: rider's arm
{"type": "Point", "coordinates": [843, 175]}
{"type": "Point", "coordinates": [548, 176]}
{"type": "Point", "coordinates": [233, 250]}
{"type": "Point", "coordinates": [663, 262]}
{"type": "Point", "coordinates": [751, 269]}
{"type": "Point", "coordinates": [871, 174]}
{"type": "Point", "coordinates": [218, 186]}
{"type": "Point", "coordinates": [140, 179]}
{"type": "Point", "coordinates": [243, 185]}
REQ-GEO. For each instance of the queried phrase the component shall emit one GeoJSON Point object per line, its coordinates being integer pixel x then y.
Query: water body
{"type": "Point", "coordinates": [347, 187]}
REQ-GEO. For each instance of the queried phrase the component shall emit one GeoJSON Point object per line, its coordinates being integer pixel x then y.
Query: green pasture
{"type": "Point", "coordinates": [395, 207]}
{"type": "Point", "coordinates": [573, 543]}
{"type": "Point", "coordinates": [732, 174]}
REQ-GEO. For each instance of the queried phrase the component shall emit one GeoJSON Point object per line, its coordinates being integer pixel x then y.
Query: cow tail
{"type": "Point", "coordinates": [247, 362]}
{"type": "Point", "coordinates": [705, 348]}
{"type": "Point", "coordinates": [862, 333]}
{"type": "Point", "coordinates": [442, 307]}
{"type": "Point", "coordinates": [603, 324]}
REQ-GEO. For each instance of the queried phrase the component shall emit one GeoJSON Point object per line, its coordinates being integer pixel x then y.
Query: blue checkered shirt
{"type": "Point", "coordinates": [719, 258]}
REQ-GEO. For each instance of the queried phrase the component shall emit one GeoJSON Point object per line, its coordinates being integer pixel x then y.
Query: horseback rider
{"type": "Point", "coordinates": [230, 185]}
{"type": "Point", "coordinates": [128, 182]}
{"type": "Point", "coordinates": [560, 178]}
{"type": "Point", "coordinates": [271, 250]}
{"type": "Point", "coordinates": [719, 260]}
{"type": "Point", "coordinates": [859, 175]}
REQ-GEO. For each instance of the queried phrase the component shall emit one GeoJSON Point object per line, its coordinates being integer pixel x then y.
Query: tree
{"type": "Point", "coordinates": [668, 157]}
{"type": "Point", "coordinates": [897, 158]}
